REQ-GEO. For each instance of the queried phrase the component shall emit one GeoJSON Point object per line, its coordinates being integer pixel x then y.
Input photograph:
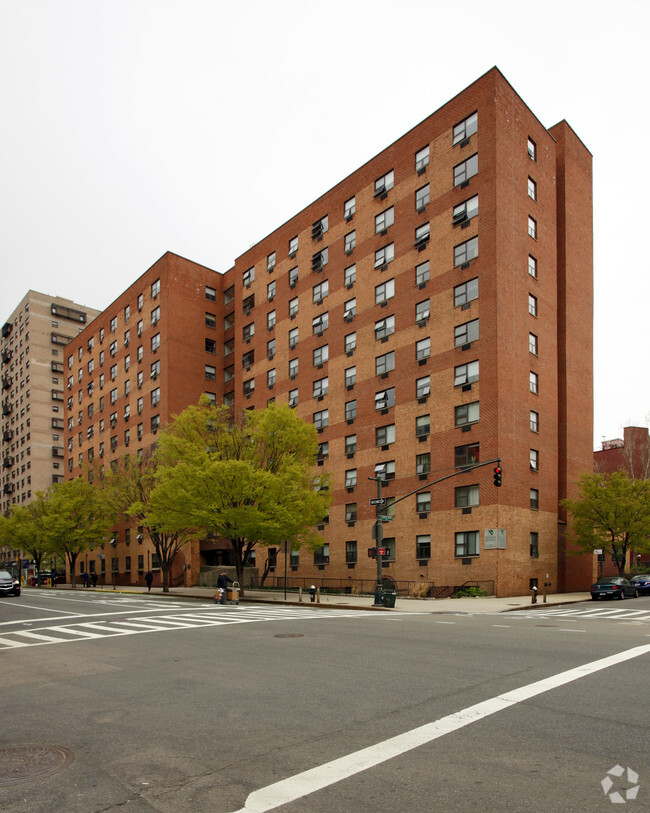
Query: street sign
{"type": "Point", "coordinates": [384, 518]}
{"type": "Point", "coordinates": [378, 501]}
{"type": "Point", "coordinates": [381, 551]}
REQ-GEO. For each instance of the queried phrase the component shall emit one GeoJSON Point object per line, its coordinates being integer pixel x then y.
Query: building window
{"type": "Point", "coordinates": [270, 262]}
{"type": "Point", "coordinates": [532, 227]}
{"type": "Point", "coordinates": [383, 184]}
{"type": "Point", "coordinates": [466, 543]}
{"type": "Point", "coordinates": [210, 346]}
{"type": "Point", "coordinates": [248, 277]}
{"type": "Point", "coordinates": [210, 320]}
{"type": "Point", "coordinates": [466, 455]}
{"type": "Point", "coordinates": [384, 255]}
{"type": "Point", "coordinates": [349, 208]}
{"type": "Point", "coordinates": [293, 277]}
{"type": "Point", "coordinates": [350, 242]}
{"type": "Point", "coordinates": [293, 398]}
{"type": "Point", "coordinates": [423, 349]}
{"type": "Point", "coordinates": [350, 310]}
{"type": "Point", "coordinates": [422, 274]}
{"type": "Point", "coordinates": [532, 343]}
{"type": "Point", "coordinates": [320, 323]}
{"type": "Point", "coordinates": [112, 326]}
{"type": "Point", "coordinates": [384, 292]}
{"type": "Point", "coordinates": [466, 292]}
{"type": "Point", "coordinates": [422, 235]}
{"type": "Point", "coordinates": [321, 355]}
{"type": "Point", "coordinates": [350, 376]}
{"type": "Point", "coordinates": [532, 266]}
{"type": "Point", "coordinates": [270, 378]}
{"type": "Point", "coordinates": [532, 189]}
{"type": "Point", "coordinates": [384, 327]}
{"type": "Point", "coordinates": [534, 383]}
{"type": "Point", "coordinates": [534, 499]}
{"type": "Point", "coordinates": [465, 414]}
{"type": "Point", "coordinates": [350, 276]}
{"type": "Point", "coordinates": [423, 463]}
{"type": "Point", "coordinates": [465, 211]}
{"type": "Point", "coordinates": [465, 128]}
{"type": "Point", "coordinates": [319, 227]}
{"type": "Point", "coordinates": [385, 363]}
{"type": "Point", "coordinates": [534, 421]}
{"type": "Point", "coordinates": [422, 159]}
{"type": "Point", "coordinates": [293, 368]}
{"type": "Point", "coordinates": [270, 320]}
{"type": "Point", "coordinates": [210, 293]}
{"type": "Point", "coordinates": [351, 512]}
{"type": "Point", "coordinates": [384, 399]}
{"type": "Point", "coordinates": [270, 291]}
{"type": "Point", "coordinates": [386, 471]}
{"type": "Point", "coordinates": [350, 553]}
{"type": "Point", "coordinates": [155, 396]}
{"type": "Point", "coordinates": [320, 291]}
{"type": "Point", "coordinates": [320, 260]}
{"type": "Point", "coordinates": [423, 544]}
{"type": "Point", "coordinates": [293, 246]}
{"type": "Point", "coordinates": [534, 545]}
{"type": "Point", "coordinates": [350, 410]}
{"type": "Point", "coordinates": [465, 252]}
{"type": "Point", "coordinates": [248, 386]}
{"type": "Point", "coordinates": [321, 419]}
{"type": "Point", "coordinates": [155, 289]}
{"type": "Point", "coordinates": [384, 220]}
{"type": "Point", "coordinates": [210, 372]}
{"type": "Point", "coordinates": [465, 170]}
{"type": "Point", "coordinates": [532, 305]}
{"type": "Point", "coordinates": [155, 423]}
{"type": "Point", "coordinates": [423, 387]}
{"type": "Point", "coordinates": [113, 349]}
{"type": "Point", "coordinates": [534, 459]}
{"type": "Point", "coordinates": [532, 149]}
{"type": "Point", "coordinates": [320, 387]}
{"type": "Point", "coordinates": [466, 373]}
{"type": "Point", "coordinates": [466, 333]}
{"type": "Point", "coordinates": [422, 426]}
{"type": "Point", "coordinates": [350, 478]}
{"type": "Point", "coordinates": [422, 311]}
{"type": "Point", "coordinates": [155, 369]}
{"type": "Point", "coordinates": [350, 444]}
{"type": "Point", "coordinates": [466, 496]}
{"type": "Point", "coordinates": [322, 555]}
{"type": "Point", "coordinates": [422, 197]}
{"type": "Point", "coordinates": [423, 502]}
{"type": "Point", "coordinates": [385, 435]}
{"type": "Point", "coordinates": [350, 343]}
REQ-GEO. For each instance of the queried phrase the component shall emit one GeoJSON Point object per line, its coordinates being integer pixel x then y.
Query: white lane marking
{"type": "Point", "coordinates": [37, 637]}
{"type": "Point", "coordinates": [43, 610]}
{"type": "Point", "coordinates": [503, 626]}
{"type": "Point", "coordinates": [10, 644]}
{"type": "Point", "coordinates": [573, 630]}
{"type": "Point", "coordinates": [302, 784]}
{"type": "Point", "coordinates": [445, 622]}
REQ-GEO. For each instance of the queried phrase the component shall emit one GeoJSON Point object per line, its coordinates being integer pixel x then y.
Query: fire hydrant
{"type": "Point", "coordinates": [312, 592]}
{"type": "Point", "coordinates": [533, 598]}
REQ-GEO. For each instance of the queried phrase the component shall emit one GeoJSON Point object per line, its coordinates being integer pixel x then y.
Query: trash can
{"type": "Point", "coordinates": [389, 599]}
{"type": "Point", "coordinates": [232, 593]}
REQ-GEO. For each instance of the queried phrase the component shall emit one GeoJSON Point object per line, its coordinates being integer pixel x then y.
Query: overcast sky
{"type": "Point", "coordinates": [133, 127]}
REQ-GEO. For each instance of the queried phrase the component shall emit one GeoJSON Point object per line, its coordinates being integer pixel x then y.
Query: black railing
{"type": "Point", "coordinates": [405, 588]}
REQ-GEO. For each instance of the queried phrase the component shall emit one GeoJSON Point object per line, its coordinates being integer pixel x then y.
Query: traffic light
{"type": "Point", "coordinates": [497, 476]}
{"type": "Point", "coordinates": [372, 553]}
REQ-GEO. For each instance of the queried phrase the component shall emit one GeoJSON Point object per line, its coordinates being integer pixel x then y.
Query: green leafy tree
{"type": "Point", "coordinates": [250, 482]}
{"type": "Point", "coordinates": [24, 528]}
{"type": "Point", "coordinates": [612, 512]}
{"type": "Point", "coordinates": [126, 492]}
{"type": "Point", "coordinates": [73, 520]}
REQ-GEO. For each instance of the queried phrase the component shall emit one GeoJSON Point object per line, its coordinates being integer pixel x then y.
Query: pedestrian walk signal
{"type": "Point", "coordinates": [372, 553]}
{"type": "Point", "coordinates": [497, 476]}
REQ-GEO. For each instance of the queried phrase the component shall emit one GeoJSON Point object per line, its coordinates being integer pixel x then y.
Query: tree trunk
{"type": "Point", "coordinates": [72, 561]}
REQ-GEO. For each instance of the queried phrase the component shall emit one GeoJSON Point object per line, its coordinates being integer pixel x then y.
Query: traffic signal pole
{"type": "Point", "coordinates": [379, 588]}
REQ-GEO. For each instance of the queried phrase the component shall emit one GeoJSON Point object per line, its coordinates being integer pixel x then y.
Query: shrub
{"type": "Point", "coordinates": [469, 592]}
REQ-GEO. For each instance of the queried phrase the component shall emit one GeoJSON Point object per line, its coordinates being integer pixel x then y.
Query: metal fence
{"type": "Point", "coordinates": [363, 587]}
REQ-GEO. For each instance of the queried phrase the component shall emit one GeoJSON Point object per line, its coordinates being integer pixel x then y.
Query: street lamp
{"type": "Point", "coordinates": [379, 478]}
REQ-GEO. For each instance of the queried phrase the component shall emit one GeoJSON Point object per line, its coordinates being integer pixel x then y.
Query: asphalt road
{"type": "Point", "coordinates": [160, 704]}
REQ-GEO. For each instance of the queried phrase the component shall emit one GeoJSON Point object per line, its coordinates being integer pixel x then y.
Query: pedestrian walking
{"type": "Point", "coordinates": [93, 578]}
{"type": "Point", "coordinates": [85, 578]}
{"type": "Point", "coordinates": [222, 586]}
{"type": "Point", "coordinates": [149, 580]}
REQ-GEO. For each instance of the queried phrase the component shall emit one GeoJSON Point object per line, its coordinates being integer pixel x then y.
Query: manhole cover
{"type": "Point", "coordinates": [289, 635]}
{"type": "Point", "coordinates": [26, 762]}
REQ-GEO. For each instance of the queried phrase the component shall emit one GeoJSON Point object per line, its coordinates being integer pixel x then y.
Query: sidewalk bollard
{"type": "Point", "coordinates": [533, 597]}
{"type": "Point", "coordinates": [300, 595]}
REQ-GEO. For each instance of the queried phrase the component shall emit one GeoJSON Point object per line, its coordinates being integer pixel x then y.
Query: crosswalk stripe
{"type": "Point", "coordinates": [37, 636]}
{"type": "Point", "coordinates": [6, 642]}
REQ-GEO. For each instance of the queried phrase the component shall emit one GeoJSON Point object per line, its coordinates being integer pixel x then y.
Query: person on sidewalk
{"type": "Point", "coordinates": [222, 586]}
{"type": "Point", "coordinates": [93, 578]}
{"type": "Point", "coordinates": [149, 580]}
{"type": "Point", "coordinates": [85, 578]}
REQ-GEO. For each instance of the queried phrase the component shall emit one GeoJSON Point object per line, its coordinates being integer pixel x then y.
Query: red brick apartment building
{"type": "Point", "coordinates": [430, 311]}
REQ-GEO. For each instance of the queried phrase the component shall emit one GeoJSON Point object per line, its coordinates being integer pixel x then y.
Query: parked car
{"type": "Point", "coordinates": [45, 576]}
{"type": "Point", "coordinates": [642, 584]}
{"type": "Point", "coordinates": [613, 587]}
{"type": "Point", "coordinates": [8, 585]}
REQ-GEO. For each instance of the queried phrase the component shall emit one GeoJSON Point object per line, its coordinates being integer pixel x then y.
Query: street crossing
{"type": "Point", "coordinates": [603, 612]}
{"type": "Point", "coordinates": [111, 627]}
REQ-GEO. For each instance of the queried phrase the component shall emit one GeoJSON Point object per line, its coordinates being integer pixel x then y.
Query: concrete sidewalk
{"type": "Point", "coordinates": [489, 604]}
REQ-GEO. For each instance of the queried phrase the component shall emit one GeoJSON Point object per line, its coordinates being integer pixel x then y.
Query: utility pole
{"type": "Point", "coordinates": [379, 533]}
